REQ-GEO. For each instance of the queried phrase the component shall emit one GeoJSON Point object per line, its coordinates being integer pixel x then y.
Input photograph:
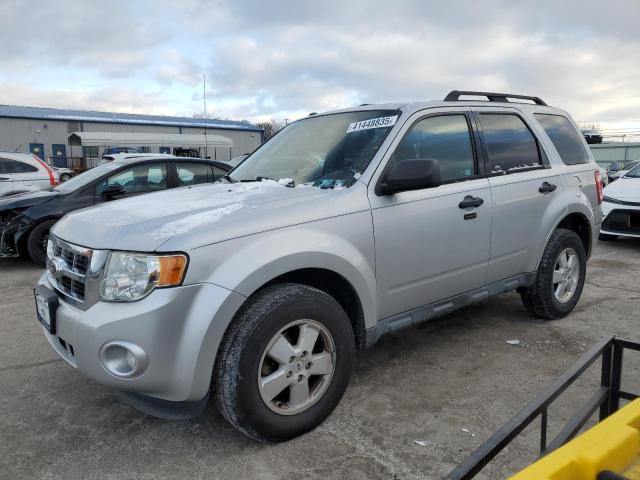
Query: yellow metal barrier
{"type": "Point", "coordinates": [613, 445]}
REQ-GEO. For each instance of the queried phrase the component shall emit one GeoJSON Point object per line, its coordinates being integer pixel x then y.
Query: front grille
{"type": "Point", "coordinates": [78, 261]}
{"type": "Point", "coordinates": [68, 267]}
{"type": "Point", "coordinates": [622, 221]}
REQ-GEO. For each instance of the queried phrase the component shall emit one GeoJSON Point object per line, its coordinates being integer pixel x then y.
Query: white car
{"type": "Point", "coordinates": [621, 207]}
{"type": "Point", "coordinates": [24, 172]}
{"type": "Point", "coordinates": [64, 173]}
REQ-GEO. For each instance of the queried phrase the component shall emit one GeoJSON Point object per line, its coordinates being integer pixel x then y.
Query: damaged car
{"type": "Point", "coordinates": [25, 219]}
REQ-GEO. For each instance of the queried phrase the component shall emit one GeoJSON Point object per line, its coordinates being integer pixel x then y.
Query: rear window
{"type": "Point", "coordinates": [510, 144]}
{"type": "Point", "coordinates": [564, 137]}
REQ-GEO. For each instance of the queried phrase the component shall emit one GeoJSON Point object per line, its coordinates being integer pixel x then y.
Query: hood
{"type": "Point", "coordinates": [21, 201]}
{"type": "Point", "coordinates": [190, 217]}
{"type": "Point", "coordinates": [624, 188]}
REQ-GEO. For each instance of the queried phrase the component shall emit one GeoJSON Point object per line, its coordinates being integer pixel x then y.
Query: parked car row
{"type": "Point", "coordinates": [26, 218]}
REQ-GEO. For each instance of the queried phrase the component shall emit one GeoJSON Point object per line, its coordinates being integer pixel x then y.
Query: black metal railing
{"type": "Point", "coordinates": [606, 398]}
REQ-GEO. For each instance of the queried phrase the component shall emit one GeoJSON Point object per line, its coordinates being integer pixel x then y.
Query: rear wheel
{"type": "Point", "coordinates": [37, 241]}
{"type": "Point", "coordinates": [560, 277]}
{"type": "Point", "coordinates": [284, 363]}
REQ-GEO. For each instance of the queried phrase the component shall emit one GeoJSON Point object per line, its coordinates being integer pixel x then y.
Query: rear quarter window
{"type": "Point", "coordinates": [13, 166]}
{"type": "Point", "coordinates": [564, 137]}
{"type": "Point", "coordinates": [22, 167]}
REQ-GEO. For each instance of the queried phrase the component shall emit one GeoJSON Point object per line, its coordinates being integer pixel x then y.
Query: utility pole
{"type": "Point", "coordinates": [204, 101]}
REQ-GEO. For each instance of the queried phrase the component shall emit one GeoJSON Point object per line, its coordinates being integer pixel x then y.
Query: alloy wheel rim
{"type": "Point", "coordinates": [566, 274]}
{"type": "Point", "coordinates": [296, 367]}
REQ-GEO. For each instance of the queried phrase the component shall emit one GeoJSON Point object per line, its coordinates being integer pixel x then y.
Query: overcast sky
{"type": "Point", "coordinates": [284, 59]}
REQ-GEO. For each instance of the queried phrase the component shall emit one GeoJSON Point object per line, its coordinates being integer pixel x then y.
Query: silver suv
{"type": "Point", "coordinates": [347, 225]}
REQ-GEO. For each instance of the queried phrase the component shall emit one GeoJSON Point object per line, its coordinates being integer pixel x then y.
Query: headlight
{"type": "Point", "coordinates": [50, 249]}
{"type": "Point", "coordinates": [133, 276]}
{"type": "Point", "coordinates": [610, 200]}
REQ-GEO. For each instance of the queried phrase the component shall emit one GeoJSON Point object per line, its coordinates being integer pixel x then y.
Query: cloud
{"type": "Point", "coordinates": [286, 59]}
{"type": "Point", "coordinates": [125, 100]}
{"type": "Point", "coordinates": [104, 36]}
{"type": "Point", "coordinates": [178, 68]}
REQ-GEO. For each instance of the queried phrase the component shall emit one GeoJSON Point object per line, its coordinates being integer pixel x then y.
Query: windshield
{"type": "Point", "coordinates": [85, 178]}
{"type": "Point", "coordinates": [634, 172]}
{"type": "Point", "coordinates": [630, 165]}
{"type": "Point", "coordinates": [328, 151]}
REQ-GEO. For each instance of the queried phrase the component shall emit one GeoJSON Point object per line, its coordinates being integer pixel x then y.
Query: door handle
{"type": "Point", "coordinates": [547, 187]}
{"type": "Point", "coordinates": [4, 179]}
{"type": "Point", "coordinates": [470, 201]}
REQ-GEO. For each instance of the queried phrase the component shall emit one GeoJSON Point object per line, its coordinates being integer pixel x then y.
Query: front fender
{"type": "Point", "coordinates": [11, 234]}
{"type": "Point", "coordinates": [343, 245]}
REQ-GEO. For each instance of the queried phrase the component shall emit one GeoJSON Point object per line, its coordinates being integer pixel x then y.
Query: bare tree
{"type": "Point", "coordinates": [270, 128]}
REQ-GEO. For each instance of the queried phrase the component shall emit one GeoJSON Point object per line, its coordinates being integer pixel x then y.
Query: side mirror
{"type": "Point", "coordinates": [411, 174]}
{"type": "Point", "coordinates": [112, 191]}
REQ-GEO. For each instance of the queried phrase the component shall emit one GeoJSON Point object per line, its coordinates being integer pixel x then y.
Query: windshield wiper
{"type": "Point", "coordinates": [257, 179]}
{"type": "Point", "coordinates": [290, 183]}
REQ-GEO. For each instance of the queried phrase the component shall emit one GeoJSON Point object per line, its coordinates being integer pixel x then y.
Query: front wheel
{"type": "Point", "coordinates": [37, 241]}
{"type": "Point", "coordinates": [560, 277]}
{"type": "Point", "coordinates": [284, 363]}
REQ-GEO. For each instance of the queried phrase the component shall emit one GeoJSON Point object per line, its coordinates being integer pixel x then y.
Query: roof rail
{"type": "Point", "coordinates": [454, 96]}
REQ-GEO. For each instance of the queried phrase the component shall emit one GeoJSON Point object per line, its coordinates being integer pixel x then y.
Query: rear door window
{"type": "Point", "coordinates": [564, 137]}
{"type": "Point", "coordinates": [510, 144]}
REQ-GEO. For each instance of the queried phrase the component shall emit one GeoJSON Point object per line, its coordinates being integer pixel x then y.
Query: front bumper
{"type": "Point", "coordinates": [622, 219]}
{"type": "Point", "coordinates": [179, 329]}
{"type": "Point", "coordinates": [12, 227]}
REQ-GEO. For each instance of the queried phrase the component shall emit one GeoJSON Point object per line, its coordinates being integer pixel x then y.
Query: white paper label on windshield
{"type": "Point", "coordinates": [381, 122]}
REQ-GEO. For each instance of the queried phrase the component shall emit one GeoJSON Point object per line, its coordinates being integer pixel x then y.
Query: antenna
{"type": "Point", "coordinates": [204, 101]}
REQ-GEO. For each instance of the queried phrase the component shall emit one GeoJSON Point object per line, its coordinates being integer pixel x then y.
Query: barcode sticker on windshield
{"type": "Point", "coordinates": [381, 122]}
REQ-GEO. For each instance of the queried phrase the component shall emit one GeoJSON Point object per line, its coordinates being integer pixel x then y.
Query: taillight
{"type": "Point", "coordinates": [47, 168]}
{"type": "Point", "coordinates": [599, 186]}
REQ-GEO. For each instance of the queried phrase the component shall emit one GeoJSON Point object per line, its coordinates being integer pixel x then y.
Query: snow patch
{"type": "Point", "coordinates": [195, 221]}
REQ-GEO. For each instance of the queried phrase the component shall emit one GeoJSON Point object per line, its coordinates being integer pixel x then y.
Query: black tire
{"type": "Point", "coordinates": [539, 298]}
{"type": "Point", "coordinates": [605, 237]}
{"type": "Point", "coordinates": [236, 371]}
{"type": "Point", "coordinates": [37, 242]}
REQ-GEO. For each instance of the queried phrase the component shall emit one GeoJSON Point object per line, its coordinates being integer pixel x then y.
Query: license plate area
{"type": "Point", "coordinates": [46, 306]}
